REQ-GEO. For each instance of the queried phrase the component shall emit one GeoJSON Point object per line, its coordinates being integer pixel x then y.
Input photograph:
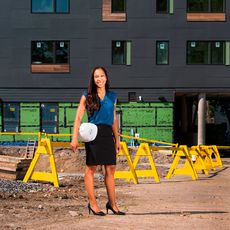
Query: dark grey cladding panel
{"type": "Point", "coordinates": [90, 45]}
{"type": "Point", "coordinates": [73, 95]}
{"type": "Point", "coordinates": [40, 95]}
{"type": "Point", "coordinates": [146, 95]}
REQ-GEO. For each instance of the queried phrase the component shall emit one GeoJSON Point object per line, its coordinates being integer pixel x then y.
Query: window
{"type": "Point", "coordinates": [207, 6]}
{"type": "Point", "coordinates": [113, 10]}
{"type": "Point", "coordinates": [11, 117]}
{"type": "Point", "coordinates": [50, 6]}
{"type": "Point", "coordinates": [162, 52]}
{"type": "Point", "coordinates": [165, 6]}
{"type": "Point", "coordinates": [49, 117]}
{"type": "Point", "coordinates": [203, 52]}
{"type": "Point", "coordinates": [47, 52]}
{"type": "Point", "coordinates": [53, 54]}
{"type": "Point", "coordinates": [132, 96]}
{"type": "Point", "coordinates": [118, 6]}
{"type": "Point", "coordinates": [121, 52]}
{"type": "Point", "coordinates": [162, 6]}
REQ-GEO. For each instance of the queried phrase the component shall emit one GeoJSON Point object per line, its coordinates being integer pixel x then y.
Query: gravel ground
{"type": "Point", "coordinates": [178, 203]}
{"type": "Point", "coordinates": [14, 187]}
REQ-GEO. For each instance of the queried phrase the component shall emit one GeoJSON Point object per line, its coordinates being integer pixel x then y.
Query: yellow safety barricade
{"type": "Point", "coordinates": [198, 159]}
{"type": "Point", "coordinates": [213, 156]}
{"type": "Point", "coordinates": [144, 150]}
{"type": "Point", "coordinates": [188, 168]}
{"type": "Point", "coordinates": [218, 161]}
{"type": "Point", "coordinates": [126, 174]}
{"type": "Point", "coordinates": [44, 147]}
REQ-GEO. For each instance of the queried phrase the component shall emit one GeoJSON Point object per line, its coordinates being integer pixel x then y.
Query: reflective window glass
{"type": "Point", "coordinates": [205, 52]}
{"type": "Point", "coordinates": [45, 6]}
{"type": "Point", "coordinates": [62, 6]}
{"type": "Point", "coordinates": [162, 6]}
{"type": "Point", "coordinates": [121, 52]}
{"type": "Point", "coordinates": [217, 52]}
{"type": "Point", "coordinates": [197, 52]}
{"type": "Point", "coordinates": [50, 52]}
{"type": "Point", "coordinates": [42, 52]}
{"type": "Point", "coordinates": [118, 6]}
{"type": "Point", "coordinates": [199, 6]}
{"type": "Point", "coordinates": [62, 51]}
{"type": "Point", "coordinates": [118, 52]}
{"type": "Point", "coordinates": [217, 6]}
{"type": "Point", "coordinates": [162, 53]}
{"type": "Point", "coordinates": [50, 6]}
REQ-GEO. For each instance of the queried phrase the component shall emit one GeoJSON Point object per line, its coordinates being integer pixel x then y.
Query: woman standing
{"type": "Point", "coordinates": [100, 104]}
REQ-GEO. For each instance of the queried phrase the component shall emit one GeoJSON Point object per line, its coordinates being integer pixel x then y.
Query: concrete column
{"type": "Point", "coordinates": [201, 118]}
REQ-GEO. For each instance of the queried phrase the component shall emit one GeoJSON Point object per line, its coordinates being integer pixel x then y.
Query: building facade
{"type": "Point", "coordinates": [169, 62]}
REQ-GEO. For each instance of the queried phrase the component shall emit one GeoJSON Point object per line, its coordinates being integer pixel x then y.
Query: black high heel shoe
{"type": "Point", "coordinates": [109, 207]}
{"type": "Point", "coordinates": [100, 213]}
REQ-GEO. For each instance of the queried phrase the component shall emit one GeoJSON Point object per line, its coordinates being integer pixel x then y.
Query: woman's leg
{"type": "Point", "coordinates": [89, 185]}
{"type": "Point", "coordinates": [110, 185]}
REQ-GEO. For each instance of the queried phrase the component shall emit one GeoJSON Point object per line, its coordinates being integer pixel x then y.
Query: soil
{"type": "Point", "coordinates": [177, 203]}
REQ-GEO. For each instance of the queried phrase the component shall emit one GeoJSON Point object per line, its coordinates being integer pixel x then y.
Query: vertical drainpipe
{"type": "Point", "coordinates": [201, 118]}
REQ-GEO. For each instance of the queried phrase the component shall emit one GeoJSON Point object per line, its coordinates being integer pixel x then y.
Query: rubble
{"type": "Point", "coordinates": [14, 187]}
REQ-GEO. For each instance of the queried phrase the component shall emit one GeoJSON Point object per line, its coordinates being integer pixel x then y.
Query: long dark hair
{"type": "Point", "coordinates": [93, 100]}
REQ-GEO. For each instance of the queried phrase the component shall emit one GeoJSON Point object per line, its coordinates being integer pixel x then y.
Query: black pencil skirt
{"type": "Point", "coordinates": [102, 150]}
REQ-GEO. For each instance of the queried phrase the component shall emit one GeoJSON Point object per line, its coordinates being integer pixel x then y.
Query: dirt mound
{"type": "Point", "coordinates": [68, 161]}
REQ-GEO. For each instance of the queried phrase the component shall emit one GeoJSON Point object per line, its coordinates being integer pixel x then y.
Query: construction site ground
{"type": "Point", "coordinates": [176, 203]}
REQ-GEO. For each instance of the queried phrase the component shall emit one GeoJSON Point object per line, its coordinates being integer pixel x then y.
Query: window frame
{"type": "Point", "coordinates": [209, 8]}
{"type": "Point", "coordinates": [132, 96]}
{"type": "Point", "coordinates": [126, 56]}
{"type": "Point", "coordinates": [54, 66]}
{"type": "Point", "coordinates": [168, 50]}
{"type": "Point", "coordinates": [108, 15]}
{"type": "Point", "coordinates": [54, 9]}
{"type": "Point", "coordinates": [209, 52]}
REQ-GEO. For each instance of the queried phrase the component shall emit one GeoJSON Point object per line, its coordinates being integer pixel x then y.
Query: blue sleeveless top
{"type": "Point", "coordinates": [105, 115]}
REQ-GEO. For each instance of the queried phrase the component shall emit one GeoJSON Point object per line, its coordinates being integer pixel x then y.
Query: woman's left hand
{"type": "Point", "coordinates": [118, 147]}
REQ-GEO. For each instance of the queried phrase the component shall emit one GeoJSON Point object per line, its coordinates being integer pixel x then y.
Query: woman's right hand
{"type": "Point", "coordinates": [74, 145]}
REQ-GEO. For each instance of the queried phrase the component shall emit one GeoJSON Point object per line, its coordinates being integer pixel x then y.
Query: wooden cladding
{"type": "Point", "coordinates": [107, 14]}
{"type": "Point", "coordinates": [206, 17]}
{"type": "Point", "coordinates": [62, 68]}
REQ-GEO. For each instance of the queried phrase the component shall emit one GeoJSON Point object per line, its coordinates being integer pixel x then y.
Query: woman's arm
{"type": "Point", "coordinates": [79, 114]}
{"type": "Point", "coordinates": [115, 131]}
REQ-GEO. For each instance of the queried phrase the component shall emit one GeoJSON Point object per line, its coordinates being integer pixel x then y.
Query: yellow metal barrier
{"type": "Point", "coordinates": [206, 157]}
{"type": "Point", "coordinates": [131, 174]}
{"type": "Point", "coordinates": [188, 168]}
{"type": "Point", "coordinates": [213, 156]}
{"type": "Point", "coordinates": [198, 158]}
{"type": "Point", "coordinates": [144, 151]}
{"type": "Point", "coordinates": [44, 147]}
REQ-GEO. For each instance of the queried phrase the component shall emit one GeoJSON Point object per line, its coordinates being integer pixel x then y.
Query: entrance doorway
{"type": "Point", "coordinates": [185, 120]}
{"type": "Point", "coordinates": [217, 120]}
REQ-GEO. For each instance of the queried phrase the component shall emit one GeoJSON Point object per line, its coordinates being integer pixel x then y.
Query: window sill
{"type": "Point", "coordinates": [42, 68]}
{"type": "Point", "coordinates": [114, 17]}
{"type": "Point", "coordinates": [206, 17]}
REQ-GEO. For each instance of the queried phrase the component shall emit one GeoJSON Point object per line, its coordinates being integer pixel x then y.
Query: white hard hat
{"type": "Point", "coordinates": [87, 132]}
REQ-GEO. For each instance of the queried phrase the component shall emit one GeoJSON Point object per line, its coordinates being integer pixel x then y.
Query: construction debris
{"type": "Point", "coordinates": [13, 168]}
